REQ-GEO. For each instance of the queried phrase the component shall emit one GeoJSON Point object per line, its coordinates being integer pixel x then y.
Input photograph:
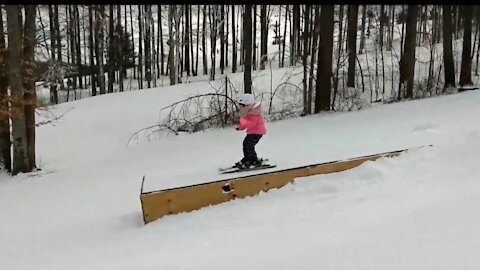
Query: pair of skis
{"type": "Point", "coordinates": [233, 169]}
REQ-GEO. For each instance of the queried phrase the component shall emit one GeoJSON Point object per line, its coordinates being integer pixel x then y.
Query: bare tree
{"type": "Point", "coordinates": [70, 20]}
{"type": "Point", "coordinates": [147, 42]}
{"type": "Point", "coordinates": [226, 21]}
{"type": "Point", "coordinates": [294, 35]}
{"type": "Point", "coordinates": [287, 14]}
{"type": "Point", "coordinates": [30, 97]}
{"type": "Point", "coordinates": [15, 52]}
{"type": "Point", "coordinates": [264, 36]}
{"type": "Point", "coordinates": [316, 35]}
{"type": "Point", "coordinates": [362, 35]}
{"type": "Point", "coordinates": [325, 52]}
{"type": "Point", "coordinates": [171, 44]}
{"type": "Point", "coordinates": [53, 43]}
{"type": "Point", "coordinates": [213, 10]}
{"type": "Point", "coordinates": [111, 50]}
{"type": "Point", "coordinates": [191, 39]}
{"type": "Point", "coordinates": [304, 62]}
{"type": "Point", "coordinates": [160, 39]}
{"type": "Point", "coordinates": [133, 40]}
{"type": "Point", "coordinates": [140, 47]}
{"type": "Point", "coordinates": [5, 144]}
{"type": "Point", "coordinates": [119, 37]}
{"type": "Point", "coordinates": [204, 44]}
{"type": "Point", "coordinates": [174, 18]}
{"type": "Point", "coordinates": [221, 27]}
{"type": "Point", "coordinates": [92, 47]}
{"type": "Point", "coordinates": [198, 39]}
{"type": "Point", "coordinates": [78, 51]}
{"type": "Point", "coordinates": [254, 38]}
{"type": "Point", "coordinates": [187, 39]}
{"type": "Point", "coordinates": [466, 67]}
{"type": "Point", "coordinates": [449, 67]}
{"type": "Point", "coordinates": [352, 43]}
{"type": "Point", "coordinates": [234, 42]}
{"type": "Point", "coordinates": [99, 45]}
{"type": "Point", "coordinates": [247, 33]}
{"type": "Point", "coordinates": [407, 62]}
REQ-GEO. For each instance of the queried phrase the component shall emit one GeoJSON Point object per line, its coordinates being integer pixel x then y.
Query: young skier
{"type": "Point", "coordinates": [251, 119]}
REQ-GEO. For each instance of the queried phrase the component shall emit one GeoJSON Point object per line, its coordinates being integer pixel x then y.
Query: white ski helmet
{"type": "Point", "coordinates": [246, 99]}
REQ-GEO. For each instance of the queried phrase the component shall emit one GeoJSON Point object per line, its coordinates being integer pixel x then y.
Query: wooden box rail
{"type": "Point", "coordinates": [156, 204]}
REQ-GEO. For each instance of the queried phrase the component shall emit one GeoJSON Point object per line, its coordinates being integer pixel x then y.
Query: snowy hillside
{"type": "Point", "coordinates": [415, 211]}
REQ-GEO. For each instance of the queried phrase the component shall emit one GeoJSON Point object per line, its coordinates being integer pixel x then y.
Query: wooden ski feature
{"type": "Point", "coordinates": [156, 204]}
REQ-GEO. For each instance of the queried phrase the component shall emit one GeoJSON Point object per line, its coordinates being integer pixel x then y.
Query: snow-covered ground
{"type": "Point", "coordinates": [415, 211]}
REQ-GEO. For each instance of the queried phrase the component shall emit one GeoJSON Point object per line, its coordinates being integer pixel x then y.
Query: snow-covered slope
{"type": "Point", "coordinates": [416, 211]}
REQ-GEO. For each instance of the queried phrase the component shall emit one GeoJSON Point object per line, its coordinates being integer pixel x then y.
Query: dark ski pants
{"type": "Point", "coordinates": [249, 154]}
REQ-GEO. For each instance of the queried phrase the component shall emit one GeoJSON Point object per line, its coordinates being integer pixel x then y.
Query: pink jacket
{"type": "Point", "coordinates": [253, 120]}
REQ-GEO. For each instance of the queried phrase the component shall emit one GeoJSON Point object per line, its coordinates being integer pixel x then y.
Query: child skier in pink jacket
{"type": "Point", "coordinates": [251, 120]}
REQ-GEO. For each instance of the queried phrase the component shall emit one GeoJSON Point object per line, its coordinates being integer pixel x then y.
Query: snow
{"type": "Point", "coordinates": [415, 211]}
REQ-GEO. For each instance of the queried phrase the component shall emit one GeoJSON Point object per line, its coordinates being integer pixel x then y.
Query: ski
{"type": "Point", "coordinates": [261, 167]}
{"type": "Point", "coordinates": [234, 167]}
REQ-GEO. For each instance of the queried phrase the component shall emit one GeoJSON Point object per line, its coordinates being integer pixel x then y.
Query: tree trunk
{"type": "Point", "coordinates": [71, 36]}
{"type": "Point", "coordinates": [222, 38]}
{"type": "Point", "coordinates": [29, 81]}
{"type": "Point", "coordinates": [297, 28]}
{"type": "Point", "coordinates": [316, 34]}
{"type": "Point", "coordinates": [325, 52]}
{"type": "Point", "coordinates": [449, 68]}
{"type": "Point", "coordinates": [100, 41]}
{"type": "Point", "coordinates": [53, 44]}
{"type": "Point", "coordinates": [59, 45]}
{"type": "Point", "coordinates": [254, 38]}
{"type": "Point", "coordinates": [147, 42]}
{"type": "Point", "coordinates": [466, 68]}
{"type": "Point", "coordinates": [264, 36]}
{"type": "Point", "coordinates": [120, 41]}
{"type": "Point", "coordinates": [160, 36]}
{"type": "Point", "coordinates": [213, 39]}
{"type": "Point", "coordinates": [362, 35]}
{"type": "Point", "coordinates": [198, 39]}
{"type": "Point", "coordinates": [5, 144]}
{"type": "Point", "coordinates": [234, 42]}
{"type": "Point", "coordinates": [140, 47]}
{"type": "Point", "coordinates": [407, 62]}
{"type": "Point", "coordinates": [177, 19]}
{"type": "Point", "coordinates": [92, 48]}
{"type": "Point", "coordinates": [77, 43]}
{"type": "Point", "coordinates": [111, 50]}
{"type": "Point", "coordinates": [247, 33]}
{"type": "Point", "coordinates": [287, 14]}
{"type": "Point", "coordinates": [213, 10]}
{"type": "Point", "coordinates": [154, 50]}
{"type": "Point", "coordinates": [204, 44]}
{"type": "Point", "coordinates": [226, 21]}
{"type": "Point", "coordinates": [19, 128]}
{"type": "Point", "coordinates": [352, 43]}
{"type": "Point", "coordinates": [191, 40]}
{"type": "Point", "coordinates": [382, 23]}
{"type": "Point", "coordinates": [133, 42]}
{"type": "Point", "coordinates": [171, 44]}
{"type": "Point", "coordinates": [304, 61]}
{"type": "Point", "coordinates": [340, 42]}
{"type": "Point", "coordinates": [187, 39]}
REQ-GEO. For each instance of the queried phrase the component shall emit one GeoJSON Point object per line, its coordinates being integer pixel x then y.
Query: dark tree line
{"type": "Point", "coordinates": [341, 48]}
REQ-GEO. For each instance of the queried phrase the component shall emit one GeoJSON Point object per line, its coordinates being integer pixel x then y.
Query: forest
{"type": "Point", "coordinates": [342, 57]}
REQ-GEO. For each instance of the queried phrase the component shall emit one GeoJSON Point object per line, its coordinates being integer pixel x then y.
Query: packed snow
{"type": "Point", "coordinates": [414, 211]}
